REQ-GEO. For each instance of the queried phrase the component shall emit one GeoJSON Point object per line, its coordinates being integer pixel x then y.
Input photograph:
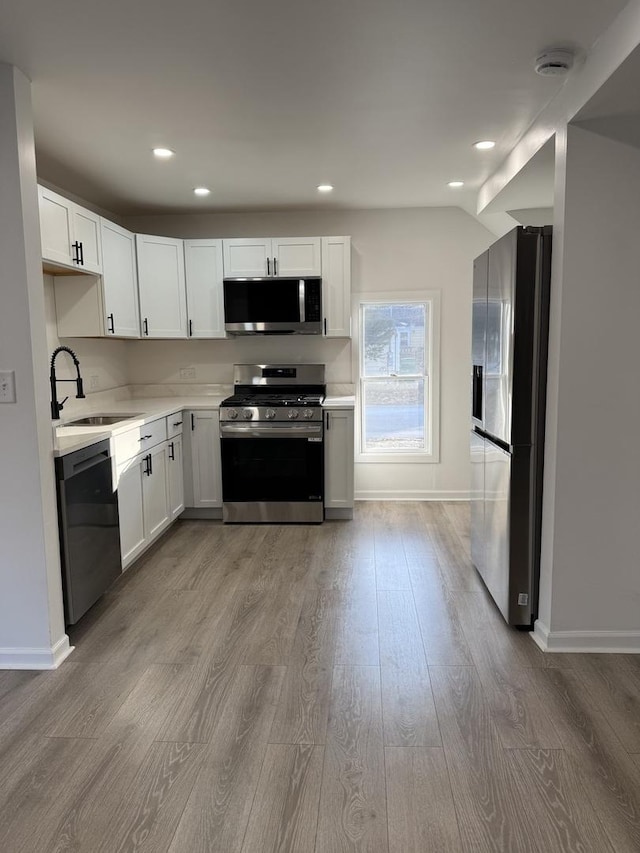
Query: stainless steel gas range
{"type": "Point", "coordinates": [272, 439]}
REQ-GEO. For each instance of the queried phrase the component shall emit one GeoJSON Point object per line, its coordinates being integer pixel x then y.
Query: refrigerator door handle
{"type": "Point", "coordinates": [477, 392]}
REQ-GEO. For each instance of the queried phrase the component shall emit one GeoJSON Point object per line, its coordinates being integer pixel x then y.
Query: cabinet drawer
{"type": "Point", "coordinates": [174, 424]}
{"type": "Point", "coordinates": [137, 440]}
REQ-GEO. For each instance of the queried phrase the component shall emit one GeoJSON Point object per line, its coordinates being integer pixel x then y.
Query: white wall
{"type": "Point", "coordinates": [408, 249]}
{"type": "Point", "coordinates": [590, 581]}
{"type": "Point", "coordinates": [31, 616]}
{"type": "Point", "coordinates": [103, 363]}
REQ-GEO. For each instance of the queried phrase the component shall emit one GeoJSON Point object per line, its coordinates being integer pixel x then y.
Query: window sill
{"type": "Point", "coordinates": [396, 458]}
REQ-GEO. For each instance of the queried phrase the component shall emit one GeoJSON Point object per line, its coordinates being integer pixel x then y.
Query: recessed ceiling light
{"type": "Point", "coordinates": [163, 153]}
{"type": "Point", "coordinates": [455, 184]}
{"type": "Point", "coordinates": [485, 145]}
{"type": "Point", "coordinates": [202, 191]}
{"type": "Point", "coordinates": [325, 188]}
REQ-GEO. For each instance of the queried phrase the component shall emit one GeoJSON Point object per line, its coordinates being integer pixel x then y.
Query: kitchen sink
{"type": "Point", "coordinates": [101, 420]}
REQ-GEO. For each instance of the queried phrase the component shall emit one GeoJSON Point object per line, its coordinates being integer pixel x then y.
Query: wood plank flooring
{"type": "Point", "coordinates": [341, 688]}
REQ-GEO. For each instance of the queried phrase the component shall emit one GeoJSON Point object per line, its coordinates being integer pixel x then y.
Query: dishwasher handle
{"type": "Point", "coordinates": [82, 460]}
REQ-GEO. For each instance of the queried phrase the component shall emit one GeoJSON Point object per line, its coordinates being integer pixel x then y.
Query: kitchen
{"type": "Point", "coordinates": [437, 246]}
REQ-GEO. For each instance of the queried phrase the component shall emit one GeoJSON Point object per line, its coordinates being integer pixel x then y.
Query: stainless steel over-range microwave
{"type": "Point", "coordinates": [273, 306]}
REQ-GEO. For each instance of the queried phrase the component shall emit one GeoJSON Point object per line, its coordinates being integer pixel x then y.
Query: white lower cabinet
{"type": "Point", "coordinates": [143, 501]}
{"type": "Point", "coordinates": [150, 486]}
{"type": "Point", "coordinates": [338, 463]}
{"type": "Point", "coordinates": [203, 475]}
{"type": "Point", "coordinates": [130, 479]}
{"type": "Point", "coordinates": [155, 492]}
{"type": "Point", "coordinates": [175, 476]}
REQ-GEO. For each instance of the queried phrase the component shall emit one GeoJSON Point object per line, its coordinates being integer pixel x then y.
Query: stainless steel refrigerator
{"type": "Point", "coordinates": [509, 354]}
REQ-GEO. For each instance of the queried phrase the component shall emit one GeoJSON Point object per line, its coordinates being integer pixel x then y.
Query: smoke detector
{"type": "Point", "coordinates": [554, 62]}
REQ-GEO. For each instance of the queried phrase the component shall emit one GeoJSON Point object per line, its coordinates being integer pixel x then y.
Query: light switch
{"type": "Point", "coordinates": [7, 386]}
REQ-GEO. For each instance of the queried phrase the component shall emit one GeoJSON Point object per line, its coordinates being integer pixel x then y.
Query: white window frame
{"type": "Point", "coordinates": [432, 371]}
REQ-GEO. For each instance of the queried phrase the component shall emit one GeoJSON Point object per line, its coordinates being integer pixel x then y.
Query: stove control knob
{"type": "Point", "coordinates": [232, 414]}
{"type": "Point", "coordinates": [293, 414]}
{"type": "Point", "coordinates": [270, 414]}
{"type": "Point", "coordinates": [308, 413]}
{"type": "Point", "coordinates": [247, 414]}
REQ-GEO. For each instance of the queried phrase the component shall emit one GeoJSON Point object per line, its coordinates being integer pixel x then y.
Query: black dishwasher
{"type": "Point", "coordinates": [89, 529]}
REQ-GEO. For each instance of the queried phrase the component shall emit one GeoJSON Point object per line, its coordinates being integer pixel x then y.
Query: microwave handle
{"type": "Point", "coordinates": [301, 299]}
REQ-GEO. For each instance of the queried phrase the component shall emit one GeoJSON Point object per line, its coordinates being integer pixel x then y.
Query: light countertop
{"type": "Point", "coordinates": [141, 410]}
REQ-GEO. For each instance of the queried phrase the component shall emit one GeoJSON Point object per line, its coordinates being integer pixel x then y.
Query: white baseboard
{"type": "Point", "coordinates": [35, 658]}
{"type": "Point", "coordinates": [613, 642]}
{"type": "Point", "coordinates": [410, 495]}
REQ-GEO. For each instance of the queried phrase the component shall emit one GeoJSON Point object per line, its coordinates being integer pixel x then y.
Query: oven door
{"type": "Point", "coordinates": [272, 472]}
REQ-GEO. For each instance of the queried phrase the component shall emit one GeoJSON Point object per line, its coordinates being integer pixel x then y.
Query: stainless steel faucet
{"type": "Point", "coordinates": [56, 407]}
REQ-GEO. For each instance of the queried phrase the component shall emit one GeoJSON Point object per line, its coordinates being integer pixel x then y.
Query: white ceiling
{"type": "Point", "coordinates": [263, 101]}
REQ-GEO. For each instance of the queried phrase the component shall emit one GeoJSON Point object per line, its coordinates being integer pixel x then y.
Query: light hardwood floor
{"type": "Point", "coordinates": [310, 689]}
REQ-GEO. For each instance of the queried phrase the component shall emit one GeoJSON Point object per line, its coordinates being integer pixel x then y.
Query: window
{"type": "Point", "coordinates": [398, 377]}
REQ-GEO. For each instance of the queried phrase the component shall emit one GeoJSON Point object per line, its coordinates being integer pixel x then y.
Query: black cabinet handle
{"type": "Point", "coordinates": [325, 325]}
{"type": "Point", "coordinates": [111, 325]}
{"type": "Point", "coordinates": [190, 329]}
{"type": "Point", "coordinates": [193, 421]}
{"type": "Point", "coordinates": [172, 453]}
{"type": "Point", "coordinates": [275, 266]}
{"type": "Point", "coordinates": [144, 437]}
{"type": "Point", "coordinates": [145, 326]}
{"type": "Point", "coordinates": [177, 423]}
{"type": "Point", "coordinates": [81, 248]}
{"type": "Point", "coordinates": [147, 464]}
{"type": "Point", "coordinates": [76, 257]}
{"type": "Point", "coordinates": [268, 266]}
{"type": "Point", "coordinates": [328, 426]}
{"type": "Point", "coordinates": [150, 465]}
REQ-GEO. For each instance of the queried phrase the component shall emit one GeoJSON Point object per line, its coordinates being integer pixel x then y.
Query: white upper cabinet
{"type": "Point", "coordinates": [120, 281]}
{"type": "Point", "coordinates": [276, 256]}
{"type": "Point", "coordinates": [247, 258]}
{"type": "Point", "coordinates": [336, 286]}
{"type": "Point", "coordinates": [293, 256]}
{"type": "Point", "coordinates": [205, 305]}
{"type": "Point", "coordinates": [70, 234]}
{"type": "Point", "coordinates": [161, 280]}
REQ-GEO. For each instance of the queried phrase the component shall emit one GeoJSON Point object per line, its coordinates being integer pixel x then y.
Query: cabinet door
{"type": "Point", "coordinates": [338, 459]}
{"type": "Point", "coordinates": [296, 256]}
{"type": "Point", "coordinates": [86, 231]}
{"type": "Point", "coordinates": [163, 301]}
{"type": "Point", "coordinates": [130, 502]}
{"type": "Point", "coordinates": [203, 273]}
{"type": "Point", "coordinates": [120, 281]}
{"type": "Point", "coordinates": [206, 476]}
{"type": "Point", "coordinates": [247, 257]}
{"type": "Point", "coordinates": [155, 499]}
{"type": "Point", "coordinates": [175, 477]}
{"type": "Point", "coordinates": [55, 227]}
{"type": "Point", "coordinates": [336, 286]}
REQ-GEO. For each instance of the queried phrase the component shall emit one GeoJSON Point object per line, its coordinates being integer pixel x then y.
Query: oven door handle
{"type": "Point", "coordinates": [254, 431]}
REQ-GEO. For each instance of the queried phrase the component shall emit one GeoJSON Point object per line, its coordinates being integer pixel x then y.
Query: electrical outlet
{"type": "Point", "coordinates": [7, 386]}
{"type": "Point", "coordinates": [187, 373]}
{"type": "Point", "coordinates": [94, 383]}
